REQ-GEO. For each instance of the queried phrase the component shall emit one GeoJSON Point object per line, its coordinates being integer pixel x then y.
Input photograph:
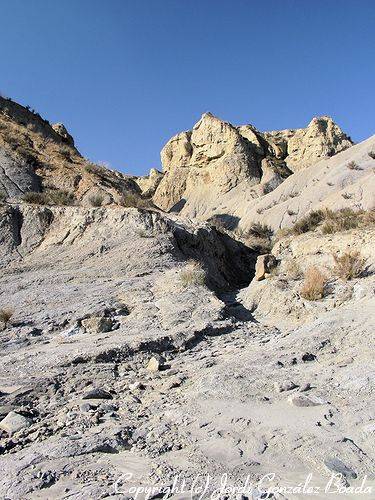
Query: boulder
{"type": "Point", "coordinates": [14, 422]}
{"type": "Point", "coordinates": [264, 264]}
{"type": "Point", "coordinates": [97, 324]}
{"type": "Point", "coordinates": [60, 129]}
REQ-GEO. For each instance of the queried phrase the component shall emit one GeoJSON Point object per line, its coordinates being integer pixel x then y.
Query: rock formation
{"type": "Point", "coordinates": [35, 156]}
{"type": "Point", "coordinates": [203, 165]}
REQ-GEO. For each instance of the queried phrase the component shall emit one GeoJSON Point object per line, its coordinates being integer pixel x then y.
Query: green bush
{"type": "Point", "coordinates": [96, 200]}
{"type": "Point", "coordinates": [58, 197]}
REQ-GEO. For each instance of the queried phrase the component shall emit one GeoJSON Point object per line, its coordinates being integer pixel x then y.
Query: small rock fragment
{"type": "Point", "coordinates": [305, 387]}
{"type": "Point", "coordinates": [305, 401]}
{"type": "Point", "coordinates": [136, 385]}
{"type": "Point", "coordinates": [97, 324]}
{"type": "Point", "coordinates": [155, 363]}
{"type": "Point", "coordinates": [287, 385]}
{"type": "Point", "coordinates": [308, 357]}
{"type": "Point", "coordinates": [97, 394]}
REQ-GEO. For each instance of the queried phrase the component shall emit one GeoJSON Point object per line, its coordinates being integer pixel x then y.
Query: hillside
{"type": "Point", "coordinates": [221, 320]}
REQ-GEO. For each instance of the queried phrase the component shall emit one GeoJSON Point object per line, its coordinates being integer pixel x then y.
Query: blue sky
{"type": "Point", "coordinates": [126, 75]}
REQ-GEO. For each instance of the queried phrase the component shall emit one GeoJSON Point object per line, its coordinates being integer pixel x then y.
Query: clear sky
{"type": "Point", "coordinates": [126, 75]}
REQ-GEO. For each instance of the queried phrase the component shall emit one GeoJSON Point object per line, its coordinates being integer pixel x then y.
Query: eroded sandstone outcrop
{"type": "Point", "coordinates": [215, 158]}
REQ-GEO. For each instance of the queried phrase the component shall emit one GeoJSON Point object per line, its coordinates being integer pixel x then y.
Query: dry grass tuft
{"type": "Point", "coordinates": [353, 166]}
{"type": "Point", "coordinates": [349, 265]}
{"type": "Point", "coordinates": [330, 222]}
{"type": "Point", "coordinates": [258, 237]}
{"type": "Point", "coordinates": [293, 270]}
{"type": "Point", "coordinates": [6, 315]}
{"type": "Point", "coordinates": [132, 200]}
{"type": "Point", "coordinates": [58, 197]}
{"type": "Point", "coordinates": [342, 220]}
{"type": "Point", "coordinates": [192, 275]}
{"type": "Point", "coordinates": [314, 284]}
{"type": "Point", "coordinates": [96, 200]}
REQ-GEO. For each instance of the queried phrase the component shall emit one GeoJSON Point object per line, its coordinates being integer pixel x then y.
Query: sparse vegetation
{"type": "Point", "coordinates": [142, 233]}
{"type": "Point", "coordinates": [258, 237]}
{"type": "Point", "coordinates": [372, 154]}
{"type": "Point", "coordinates": [308, 223]}
{"type": "Point", "coordinates": [330, 222]}
{"type": "Point", "coordinates": [349, 265]}
{"type": "Point", "coordinates": [341, 220]}
{"type": "Point", "coordinates": [293, 270]}
{"type": "Point", "coordinates": [92, 168]}
{"type": "Point", "coordinates": [58, 197]}
{"type": "Point", "coordinates": [6, 315]}
{"type": "Point", "coordinates": [130, 200]}
{"type": "Point", "coordinates": [192, 275]}
{"type": "Point", "coordinates": [314, 284]}
{"type": "Point", "coordinates": [96, 200]}
{"type": "Point", "coordinates": [34, 198]}
{"type": "Point", "coordinates": [261, 231]}
{"type": "Point", "coordinates": [353, 166]}
{"type": "Point", "coordinates": [3, 197]}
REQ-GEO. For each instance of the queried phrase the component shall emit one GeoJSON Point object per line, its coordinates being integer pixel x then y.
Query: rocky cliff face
{"type": "Point", "coordinates": [35, 156]}
{"type": "Point", "coordinates": [203, 165]}
{"type": "Point", "coordinates": [303, 147]}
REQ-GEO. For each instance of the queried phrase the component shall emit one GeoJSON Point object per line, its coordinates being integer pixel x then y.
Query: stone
{"type": "Point", "coordinates": [305, 387]}
{"type": "Point", "coordinates": [97, 324]}
{"type": "Point", "coordinates": [336, 465]}
{"type": "Point", "coordinates": [14, 422]}
{"type": "Point", "coordinates": [136, 385]}
{"type": "Point", "coordinates": [264, 264]}
{"type": "Point", "coordinates": [308, 357]}
{"type": "Point", "coordinates": [305, 401]}
{"type": "Point", "coordinates": [60, 129]}
{"type": "Point", "coordinates": [287, 385]}
{"type": "Point", "coordinates": [155, 363]}
{"type": "Point", "coordinates": [203, 165]}
{"type": "Point", "coordinates": [97, 394]}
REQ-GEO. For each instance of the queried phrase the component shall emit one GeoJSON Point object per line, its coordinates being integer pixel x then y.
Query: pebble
{"type": "Point", "coordinates": [287, 385]}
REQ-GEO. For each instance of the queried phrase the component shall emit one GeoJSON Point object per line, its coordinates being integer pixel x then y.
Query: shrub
{"type": "Point", "coordinates": [309, 222]}
{"type": "Point", "coordinates": [58, 197]}
{"type": "Point", "coordinates": [349, 265]}
{"type": "Point", "coordinates": [342, 220]}
{"type": "Point", "coordinates": [314, 283]}
{"type": "Point", "coordinates": [372, 154]}
{"type": "Point", "coordinates": [257, 237]}
{"type": "Point", "coordinates": [3, 197]}
{"type": "Point", "coordinates": [293, 270]}
{"type": "Point", "coordinates": [132, 200]}
{"type": "Point", "coordinates": [96, 200]}
{"type": "Point", "coordinates": [261, 231]}
{"type": "Point", "coordinates": [192, 275]}
{"type": "Point", "coordinates": [353, 166]}
{"type": "Point", "coordinates": [91, 168]}
{"type": "Point", "coordinates": [5, 315]}
{"type": "Point", "coordinates": [34, 198]}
